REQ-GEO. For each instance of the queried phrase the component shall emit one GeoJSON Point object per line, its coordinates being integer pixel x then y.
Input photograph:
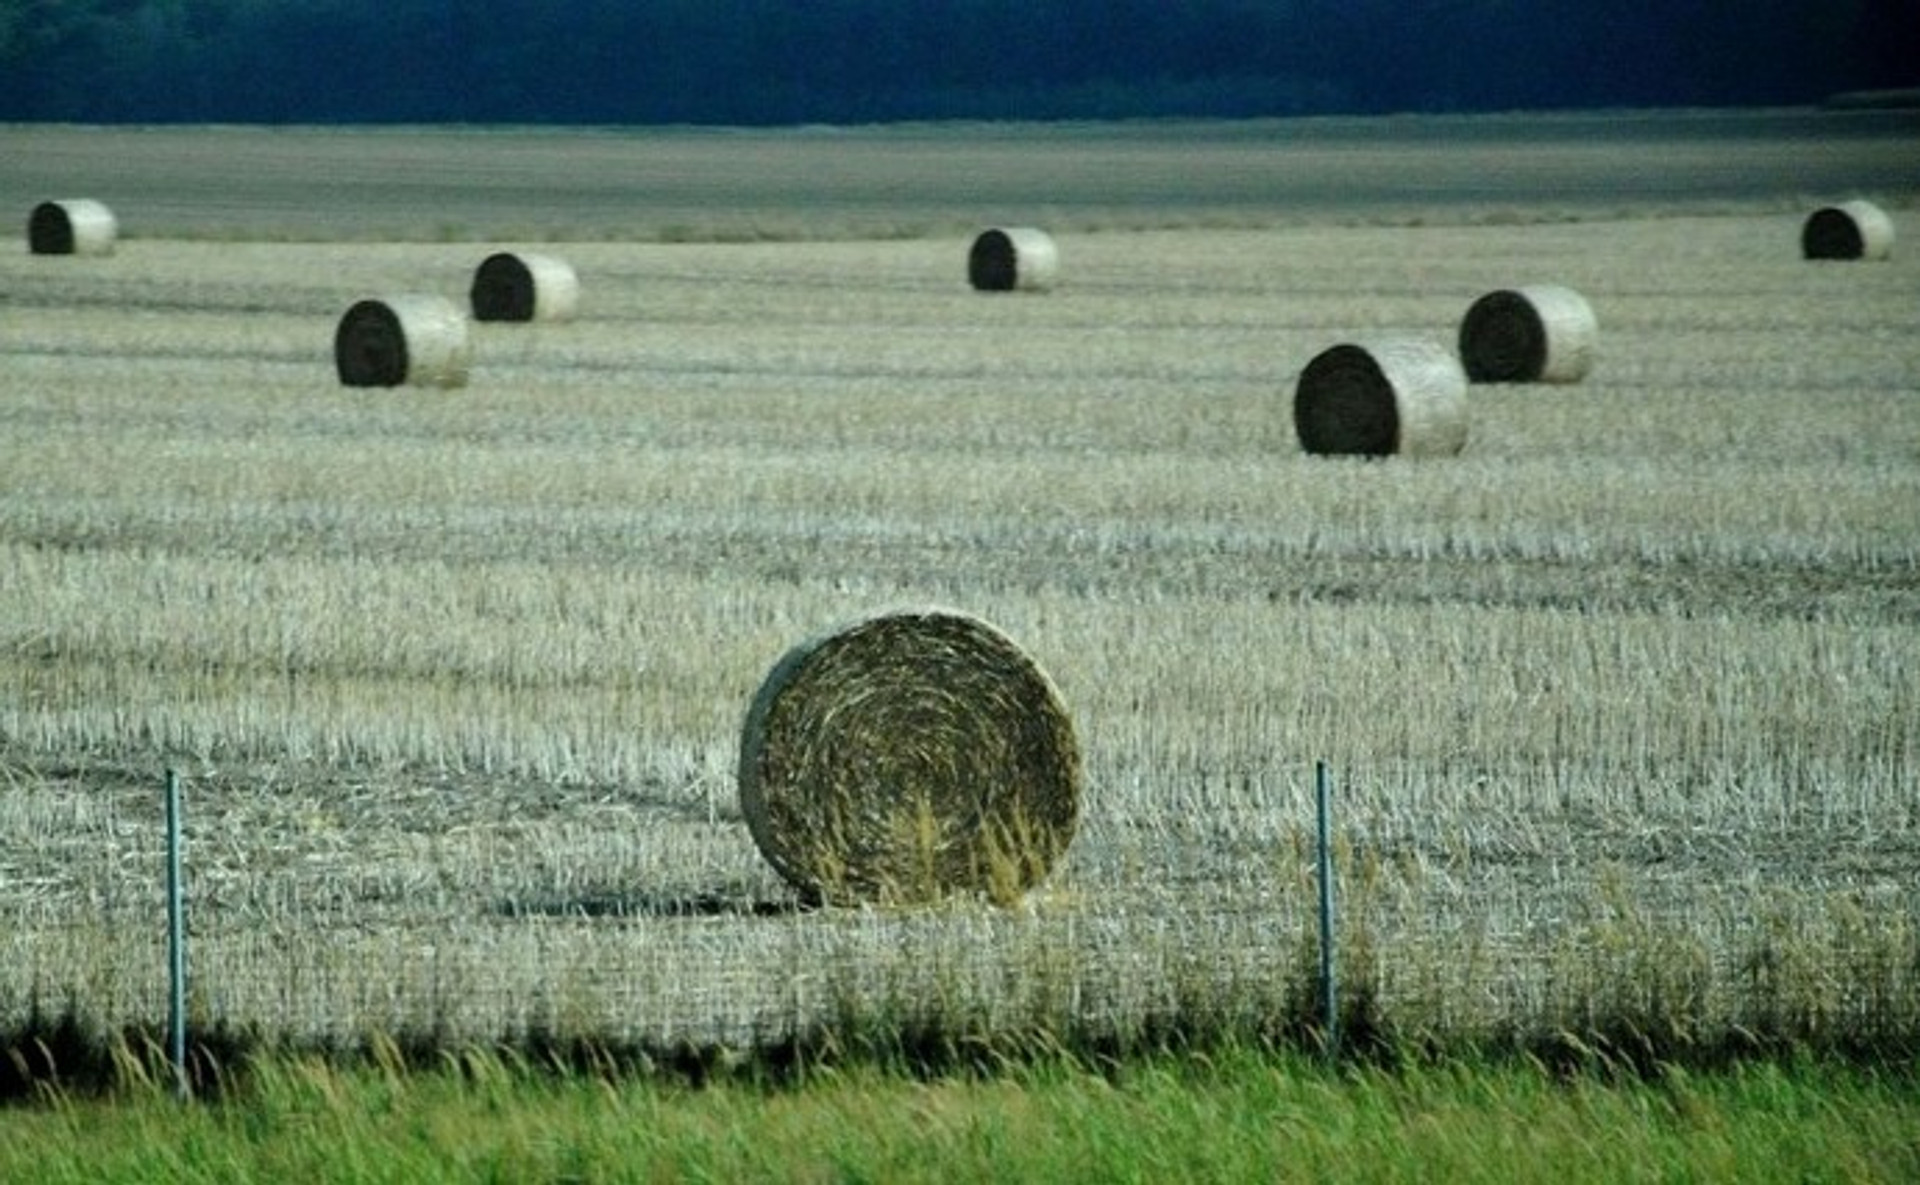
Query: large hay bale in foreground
{"type": "Point", "coordinates": [908, 757]}
{"type": "Point", "coordinates": [524, 287]}
{"type": "Point", "coordinates": [1850, 230]}
{"type": "Point", "coordinates": [1397, 396]}
{"type": "Point", "coordinates": [418, 340]}
{"type": "Point", "coordinates": [1543, 333]}
{"type": "Point", "coordinates": [1014, 258]}
{"type": "Point", "coordinates": [77, 226]}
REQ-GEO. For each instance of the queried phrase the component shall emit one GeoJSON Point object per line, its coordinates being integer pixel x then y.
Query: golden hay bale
{"type": "Point", "coordinates": [1405, 396]}
{"type": "Point", "coordinates": [1538, 334]}
{"type": "Point", "coordinates": [77, 226]}
{"type": "Point", "coordinates": [524, 287]}
{"type": "Point", "coordinates": [907, 757]}
{"type": "Point", "coordinates": [414, 339]}
{"type": "Point", "coordinates": [1850, 230]}
{"type": "Point", "coordinates": [1015, 258]}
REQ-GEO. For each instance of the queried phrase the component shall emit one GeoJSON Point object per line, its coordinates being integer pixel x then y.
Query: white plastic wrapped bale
{"type": "Point", "coordinates": [1013, 259]}
{"type": "Point", "coordinates": [77, 226]}
{"type": "Point", "coordinates": [1851, 230]}
{"type": "Point", "coordinates": [1543, 333]}
{"type": "Point", "coordinates": [525, 286]}
{"type": "Point", "coordinates": [408, 340]}
{"type": "Point", "coordinates": [1399, 396]}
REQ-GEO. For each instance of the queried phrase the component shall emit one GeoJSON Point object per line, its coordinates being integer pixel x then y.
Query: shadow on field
{"type": "Point", "coordinates": [651, 905]}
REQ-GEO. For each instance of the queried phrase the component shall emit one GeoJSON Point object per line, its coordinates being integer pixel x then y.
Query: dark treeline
{"type": "Point", "coordinates": [850, 61]}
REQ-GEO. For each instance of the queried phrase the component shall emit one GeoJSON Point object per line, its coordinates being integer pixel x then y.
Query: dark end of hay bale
{"type": "Point", "coordinates": [79, 227]}
{"type": "Point", "coordinates": [1544, 333]}
{"type": "Point", "coordinates": [502, 289]}
{"type": "Point", "coordinates": [908, 757]}
{"type": "Point", "coordinates": [413, 339]}
{"type": "Point", "coordinates": [522, 287]}
{"type": "Point", "coordinates": [1850, 230]}
{"type": "Point", "coordinates": [992, 265]}
{"type": "Point", "coordinates": [49, 230]}
{"type": "Point", "coordinates": [1395, 397]}
{"type": "Point", "coordinates": [370, 346]}
{"type": "Point", "coordinates": [1005, 260]}
{"type": "Point", "coordinates": [1830, 233]}
{"type": "Point", "coordinates": [1502, 340]}
{"type": "Point", "coordinates": [1344, 405]}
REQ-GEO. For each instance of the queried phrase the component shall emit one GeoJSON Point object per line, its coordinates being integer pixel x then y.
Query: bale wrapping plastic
{"type": "Point", "coordinates": [1015, 258]}
{"type": "Point", "coordinates": [415, 340]}
{"type": "Point", "coordinates": [1396, 396]}
{"type": "Point", "coordinates": [908, 757]}
{"type": "Point", "coordinates": [1543, 333]}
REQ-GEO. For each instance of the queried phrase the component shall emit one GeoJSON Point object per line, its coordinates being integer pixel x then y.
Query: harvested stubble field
{"type": "Point", "coordinates": [1621, 703]}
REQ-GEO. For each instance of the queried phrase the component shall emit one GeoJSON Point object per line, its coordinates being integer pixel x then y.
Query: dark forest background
{"type": "Point", "coordinates": [854, 61]}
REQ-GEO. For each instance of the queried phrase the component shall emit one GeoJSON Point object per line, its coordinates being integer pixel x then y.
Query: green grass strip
{"type": "Point", "coordinates": [1235, 1117]}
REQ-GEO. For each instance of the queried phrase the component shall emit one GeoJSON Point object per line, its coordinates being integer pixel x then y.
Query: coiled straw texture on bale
{"type": "Point", "coordinates": [1022, 258]}
{"type": "Point", "coordinates": [77, 226]}
{"type": "Point", "coordinates": [1850, 230]}
{"type": "Point", "coordinates": [1396, 396]}
{"type": "Point", "coordinates": [524, 287]}
{"type": "Point", "coordinates": [908, 757]}
{"type": "Point", "coordinates": [1543, 333]}
{"type": "Point", "coordinates": [418, 340]}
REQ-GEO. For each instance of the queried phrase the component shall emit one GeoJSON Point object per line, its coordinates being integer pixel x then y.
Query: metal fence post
{"type": "Point", "coordinates": [176, 944]}
{"type": "Point", "coordinates": [1329, 997]}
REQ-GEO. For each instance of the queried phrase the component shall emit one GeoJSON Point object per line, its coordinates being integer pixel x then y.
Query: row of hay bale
{"type": "Point", "coordinates": [1397, 397]}
{"type": "Point", "coordinates": [534, 288]}
{"type": "Point", "coordinates": [424, 339]}
{"type": "Point", "coordinates": [421, 339]}
{"type": "Point", "coordinates": [1026, 259]}
{"type": "Point", "coordinates": [1407, 395]}
{"type": "Point", "coordinates": [411, 338]}
{"type": "Point", "coordinates": [1001, 259]}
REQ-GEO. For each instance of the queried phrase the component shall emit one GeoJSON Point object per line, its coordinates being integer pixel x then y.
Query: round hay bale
{"type": "Point", "coordinates": [1850, 230]}
{"type": "Point", "coordinates": [78, 226]}
{"type": "Point", "coordinates": [1404, 396]}
{"type": "Point", "coordinates": [908, 757]}
{"type": "Point", "coordinates": [524, 287]}
{"type": "Point", "coordinates": [1539, 334]}
{"type": "Point", "coordinates": [1015, 258]}
{"type": "Point", "coordinates": [414, 339]}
